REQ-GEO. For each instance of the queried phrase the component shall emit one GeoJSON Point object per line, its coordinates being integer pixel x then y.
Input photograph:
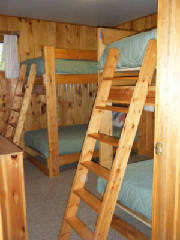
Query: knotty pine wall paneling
{"type": "Point", "coordinates": [74, 101]}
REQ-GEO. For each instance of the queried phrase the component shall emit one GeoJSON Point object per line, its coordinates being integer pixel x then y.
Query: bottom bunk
{"type": "Point", "coordinates": [135, 196]}
{"type": "Point", "coordinates": [70, 141]}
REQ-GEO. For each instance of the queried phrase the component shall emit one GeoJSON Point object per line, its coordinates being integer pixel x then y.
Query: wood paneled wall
{"type": "Point", "coordinates": [74, 102]}
{"type": "Point", "coordinates": [140, 24]}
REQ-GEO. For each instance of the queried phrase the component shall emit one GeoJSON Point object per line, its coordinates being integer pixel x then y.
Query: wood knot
{"type": "Point", "coordinates": [90, 94]}
{"type": "Point", "coordinates": [15, 197]}
{"type": "Point", "coordinates": [14, 156]}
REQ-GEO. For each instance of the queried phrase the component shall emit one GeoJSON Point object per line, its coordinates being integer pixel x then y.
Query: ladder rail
{"type": "Point", "coordinates": [25, 105]}
{"type": "Point", "coordinates": [22, 99]}
{"type": "Point", "coordinates": [22, 74]}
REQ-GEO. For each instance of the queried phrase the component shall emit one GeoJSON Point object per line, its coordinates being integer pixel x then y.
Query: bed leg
{"type": "Point", "coordinates": [53, 167]}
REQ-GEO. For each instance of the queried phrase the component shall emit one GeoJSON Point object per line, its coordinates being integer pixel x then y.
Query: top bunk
{"type": "Point", "coordinates": [68, 65]}
{"type": "Point", "coordinates": [132, 46]}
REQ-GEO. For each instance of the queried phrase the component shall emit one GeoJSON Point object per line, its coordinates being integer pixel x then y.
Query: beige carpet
{"type": "Point", "coordinates": [46, 200]}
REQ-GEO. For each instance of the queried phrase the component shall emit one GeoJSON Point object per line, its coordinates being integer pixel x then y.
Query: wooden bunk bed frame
{"type": "Point", "coordinates": [50, 79]}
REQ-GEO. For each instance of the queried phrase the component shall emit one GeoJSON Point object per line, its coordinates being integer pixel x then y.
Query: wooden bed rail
{"type": "Point", "coordinates": [70, 79]}
{"type": "Point", "coordinates": [76, 54]}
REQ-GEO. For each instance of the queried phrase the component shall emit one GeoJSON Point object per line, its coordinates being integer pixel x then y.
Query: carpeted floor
{"type": "Point", "coordinates": [46, 200]}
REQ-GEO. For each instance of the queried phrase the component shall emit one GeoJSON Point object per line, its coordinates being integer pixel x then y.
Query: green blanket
{"type": "Point", "coordinates": [136, 190]}
{"type": "Point", "coordinates": [131, 49]}
{"type": "Point", "coordinates": [70, 139]}
{"type": "Point", "coordinates": [63, 66]}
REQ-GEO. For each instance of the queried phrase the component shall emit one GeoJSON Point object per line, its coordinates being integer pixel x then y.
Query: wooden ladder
{"type": "Point", "coordinates": [105, 207]}
{"type": "Point", "coordinates": [20, 104]}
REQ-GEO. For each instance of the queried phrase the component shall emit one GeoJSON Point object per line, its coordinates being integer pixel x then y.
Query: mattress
{"type": "Point", "coordinates": [136, 190]}
{"type": "Point", "coordinates": [63, 66]}
{"type": "Point", "coordinates": [131, 49]}
{"type": "Point", "coordinates": [70, 139]}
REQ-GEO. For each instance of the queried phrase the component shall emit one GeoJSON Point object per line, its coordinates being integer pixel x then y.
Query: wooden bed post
{"type": "Point", "coordinates": [166, 185]}
{"type": "Point", "coordinates": [105, 150]}
{"type": "Point", "coordinates": [50, 82]}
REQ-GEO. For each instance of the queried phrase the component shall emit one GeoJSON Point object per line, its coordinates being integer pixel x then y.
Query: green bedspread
{"type": "Point", "coordinates": [70, 139]}
{"type": "Point", "coordinates": [132, 50]}
{"type": "Point", "coordinates": [63, 66]}
{"type": "Point", "coordinates": [136, 190]}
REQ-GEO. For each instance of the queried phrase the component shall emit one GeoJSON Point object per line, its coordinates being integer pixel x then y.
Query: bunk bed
{"type": "Point", "coordinates": [58, 66]}
{"type": "Point", "coordinates": [55, 146]}
{"type": "Point", "coordinates": [135, 196]}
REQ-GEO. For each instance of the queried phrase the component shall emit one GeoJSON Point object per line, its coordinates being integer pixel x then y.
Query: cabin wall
{"type": "Point", "coordinates": [74, 102]}
{"type": "Point", "coordinates": [146, 126]}
{"type": "Point", "coordinates": [140, 24]}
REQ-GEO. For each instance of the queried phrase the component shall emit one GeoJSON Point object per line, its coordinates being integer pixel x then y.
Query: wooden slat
{"type": "Point", "coordinates": [123, 79]}
{"type": "Point", "coordinates": [89, 199]}
{"type": "Point", "coordinates": [123, 94]}
{"type": "Point", "coordinates": [127, 230]}
{"type": "Point", "coordinates": [104, 138]}
{"type": "Point", "coordinates": [97, 169]}
{"type": "Point", "coordinates": [25, 105]}
{"type": "Point", "coordinates": [82, 230]}
{"type": "Point", "coordinates": [76, 54]}
{"type": "Point", "coordinates": [76, 78]}
{"type": "Point", "coordinates": [114, 109]}
{"type": "Point", "coordinates": [134, 73]}
{"type": "Point", "coordinates": [71, 79]}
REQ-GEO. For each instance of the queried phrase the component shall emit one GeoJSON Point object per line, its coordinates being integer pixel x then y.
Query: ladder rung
{"type": "Point", "coordinates": [105, 138]}
{"type": "Point", "coordinates": [97, 169]}
{"type": "Point", "coordinates": [89, 199]}
{"type": "Point", "coordinates": [114, 109]}
{"type": "Point", "coordinates": [78, 226]}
